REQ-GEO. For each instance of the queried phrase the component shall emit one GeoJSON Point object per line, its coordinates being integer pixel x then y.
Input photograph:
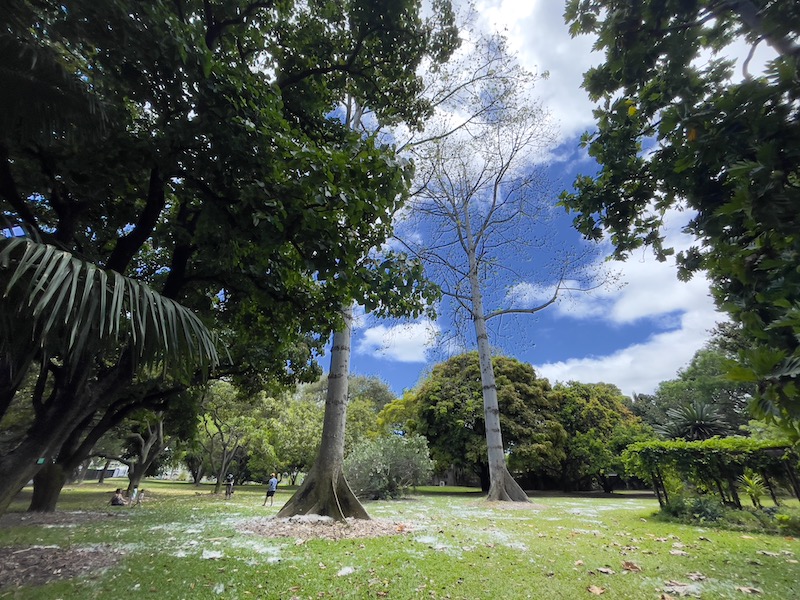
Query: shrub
{"type": "Point", "coordinates": [386, 467]}
{"type": "Point", "coordinates": [788, 521]}
{"type": "Point", "coordinates": [705, 508]}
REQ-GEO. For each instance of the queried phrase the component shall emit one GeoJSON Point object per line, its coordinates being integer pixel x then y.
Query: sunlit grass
{"type": "Point", "coordinates": [183, 543]}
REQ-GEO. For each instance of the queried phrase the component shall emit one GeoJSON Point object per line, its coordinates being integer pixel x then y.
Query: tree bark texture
{"type": "Point", "coordinates": [325, 490]}
{"type": "Point", "coordinates": [47, 486]}
{"type": "Point", "coordinates": [501, 484]}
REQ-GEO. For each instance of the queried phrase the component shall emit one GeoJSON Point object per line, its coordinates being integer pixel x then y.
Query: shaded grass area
{"type": "Point", "coordinates": [185, 542]}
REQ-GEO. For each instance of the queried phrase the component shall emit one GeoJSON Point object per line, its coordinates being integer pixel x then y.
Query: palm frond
{"type": "Point", "coordinates": [74, 305]}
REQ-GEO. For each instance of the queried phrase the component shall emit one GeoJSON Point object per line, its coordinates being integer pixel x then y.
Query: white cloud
{"type": "Point", "coordinates": [651, 291]}
{"type": "Point", "coordinates": [641, 367]}
{"type": "Point", "coordinates": [537, 32]}
{"type": "Point", "coordinates": [407, 343]}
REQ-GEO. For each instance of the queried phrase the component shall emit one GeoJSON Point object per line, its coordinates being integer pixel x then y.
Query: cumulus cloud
{"type": "Point", "coordinates": [537, 32]}
{"type": "Point", "coordinates": [407, 343]}
{"type": "Point", "coordinates": [684, 311]}
{"type": "Point", "coordinates": [639, 368]}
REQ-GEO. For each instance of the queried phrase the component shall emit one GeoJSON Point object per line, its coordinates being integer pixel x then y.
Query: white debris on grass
{"type": "Point", "coordinates": [219, 588]}
{"type": "Point", "coordinates": [211, 554]}
{"type": "Point", "coordinates": [345, 571]}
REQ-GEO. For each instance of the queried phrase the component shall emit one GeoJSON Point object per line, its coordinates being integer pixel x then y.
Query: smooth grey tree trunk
{"type": "Point", "coordinates": [325, 490]}
{"type": "Point", "coordinates": [502, 485]}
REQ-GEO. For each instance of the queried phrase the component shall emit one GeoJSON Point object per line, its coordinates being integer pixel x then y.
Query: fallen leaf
{"type": "Point", "coordinates": [596, 590]}
{"type": "Point", "coordinates": [678, 553]}
{"type": "Point", "coordinates": [631, 566]}
{"type": "Point", "coordinates": [696, 576]}
{"type": "Point", "coordinates": [767, 553]}
{"type": "Point", "coordinates": [578, 563]}
{"type": "Point", "coordinates": [703, 538]}
{"type": "Point", "coordinates": [666, 597]}
{"type": "Point", "coordinates": [322, 566]}
{"type": "Point", "coordinates": [749, 590]}
{"type": "Point", "coordinates": [748, 537]}
{"type": "Point", "coordinates": [606, 571]}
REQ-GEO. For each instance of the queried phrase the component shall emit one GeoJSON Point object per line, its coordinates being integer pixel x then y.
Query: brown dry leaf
{"type": "Point", "coordinates": [596, 590]}
{"type": "Point", "coordinates": [749, 590]}
{"type": "Point", "coordinates": [606, 571]}
{"type": "Point", "coordinates": [578, 563]}
{"type": "Point", "coordinates": [631, 566]}
{"type": "Point", "coordinates": [666, 597]}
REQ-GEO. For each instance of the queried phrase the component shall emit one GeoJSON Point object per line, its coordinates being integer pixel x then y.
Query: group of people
{"type": "Point", "coordinates": [119, 499]}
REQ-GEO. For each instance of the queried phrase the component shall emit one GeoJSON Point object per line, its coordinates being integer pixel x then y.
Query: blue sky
{"type": "Point", "coordinates": [633, 335]}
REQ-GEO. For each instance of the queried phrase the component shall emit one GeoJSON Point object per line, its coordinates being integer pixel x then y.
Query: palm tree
{"type": "Point", "coordinates": [698, 420]}
{"type": "Point", "coordinates": [75, 320]}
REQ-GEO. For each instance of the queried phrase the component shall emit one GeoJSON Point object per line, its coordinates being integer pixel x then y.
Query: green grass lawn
{"type": "Point", "coordinates": [183, 542]}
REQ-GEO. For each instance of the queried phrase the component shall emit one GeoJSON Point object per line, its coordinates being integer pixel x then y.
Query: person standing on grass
{"type": "Point", "coordinates": [272, 487]}
{"type": "Point", "coordinates": [229, 486]}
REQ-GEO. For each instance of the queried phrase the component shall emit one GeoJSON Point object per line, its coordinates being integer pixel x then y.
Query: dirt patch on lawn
{"type": "Point", "coordinates": [312, 527]}
{"type": "Point", "coordinates": [37, 565]}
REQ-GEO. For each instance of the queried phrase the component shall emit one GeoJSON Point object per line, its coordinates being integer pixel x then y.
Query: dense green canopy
{"type": "Point", "coordinates": [196, 147]}
{"type": "Point", "coordinates": [679, 127]}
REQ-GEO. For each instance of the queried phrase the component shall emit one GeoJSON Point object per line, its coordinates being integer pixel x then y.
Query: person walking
{"type": "Point", "coordinates": [272, 487]}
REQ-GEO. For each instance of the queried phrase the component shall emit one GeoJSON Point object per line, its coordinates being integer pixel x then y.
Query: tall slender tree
{"type": "Point", "coordinates": [480, 189]}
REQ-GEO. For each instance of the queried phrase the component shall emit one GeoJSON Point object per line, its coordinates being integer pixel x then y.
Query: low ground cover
{"type": "Point", "coordinates": [185, 542]}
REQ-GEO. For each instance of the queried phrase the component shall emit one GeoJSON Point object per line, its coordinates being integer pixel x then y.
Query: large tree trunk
{"type": "Point", "coordinates": [57, 419]}
{"type": "Point", "coordinates": [102, 478]}
{"type": "Point", "coordinates": [501, 485]}
{"type": "Point", "coordinates": [149, 449]}
{"type": "Point", "coordinates": [325, 490]}
{"type": "Point", "coordinates": [47, 486]}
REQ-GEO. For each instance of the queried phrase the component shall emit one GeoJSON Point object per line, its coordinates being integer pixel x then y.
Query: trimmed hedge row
{"type": "Point", "coordinates": [715, 464]}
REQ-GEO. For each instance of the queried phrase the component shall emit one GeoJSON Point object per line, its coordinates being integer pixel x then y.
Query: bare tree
{"type": "Point", "coordinates": [481, 198]}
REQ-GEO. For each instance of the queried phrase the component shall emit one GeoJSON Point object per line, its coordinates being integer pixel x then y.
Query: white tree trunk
{"type": "Point", "coordinates": [501, 485]}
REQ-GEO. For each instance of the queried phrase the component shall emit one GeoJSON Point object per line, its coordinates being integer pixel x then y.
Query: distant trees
{"type": "Point", "coordinates": [570, 436]}
{"type": "Point", "coordinates": [448, 412]}
{"type": "Point", "coordinates": [704, 386]}
{"type": "Point", "coordinates": [598, 427]}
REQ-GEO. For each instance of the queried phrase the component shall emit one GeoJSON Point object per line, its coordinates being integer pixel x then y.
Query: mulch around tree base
{"type": "Point", "coordinates": [314, 527]}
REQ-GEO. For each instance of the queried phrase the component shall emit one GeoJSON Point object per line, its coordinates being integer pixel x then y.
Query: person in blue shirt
{"type": "Point", "coordinates": [272, 486]}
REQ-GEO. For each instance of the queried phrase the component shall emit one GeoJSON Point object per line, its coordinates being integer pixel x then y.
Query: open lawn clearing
{"type": "Point", "coordinates": [183, 544]}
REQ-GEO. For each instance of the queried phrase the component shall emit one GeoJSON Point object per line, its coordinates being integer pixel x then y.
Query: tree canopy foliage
{"type": "Point", "coordinates": [199, 152]}
{"type": "Point", "coordinates": [449, 413]}
{"type": "Point", "coordinates": [598, 427]}
{"type": "Point", "coordinates": [679, 127]}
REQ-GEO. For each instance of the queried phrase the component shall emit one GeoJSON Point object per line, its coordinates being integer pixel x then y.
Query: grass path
{"type": "Point", "coordinates": [181, 544]}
